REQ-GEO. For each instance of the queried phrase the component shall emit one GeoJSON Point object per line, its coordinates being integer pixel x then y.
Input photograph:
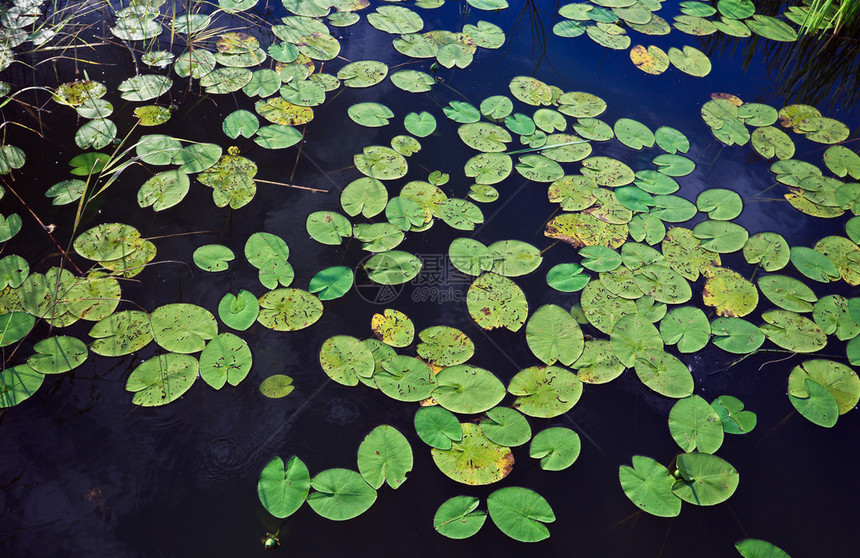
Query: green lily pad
{"type": "Point", "coordinates": [705, 479]}
{"type": "Point", "coordinates": [328, 227]}
{"type": "Point", "coordinates": [55, 355]}
{"type": "Point", "coordinates": [340, 494]}
{"type": "Point", "coordinates": [331, 283]}
{"type": "Point", "coordinates": [819, 406]}
{"type": "Point", "coordinates": [787, 292]}
{"type": "Point", "coordinates": [757, 548]}
{"type": "Point", "coordinates": [405, 378]}
{"type": "Point", "coordinates": [282, 489]}
{"type": "Point", "coordinates": [461, 112]}
{"type": "Point", "coordinates": [162, 379]}
{"type": "Point", "coordinates": [792, 331]}
{"type": "Point", "coordinates": [690, 60]}
{"type": "Point", "coordinates": [695, 425]}
{"type": "Point", "coordinates": [567, 277]}
{"type": "Point", "coordinates": [144, 87]}
{"type": "Point", "coordinates": [840, 380]}
{"type": "Point", "coordinates": [277, 386]}
{"type": "Point", "coordinates": [545, 391]}
{"type": "Point", "coordinates": [729, 293]}
{"type": "Point", "coordinates": [771, 28]}
{"type": "Point", "coordinates": [226, 359]}
{"type": "Point", "coordinates": [648, 484]}
{"type": "Point", "coordinates": [14, 326]}
{"type": "Point", "coordinates": [832, 315]}
{"type": "Point", "coordinates": [520, 513]}
{"type": "Point", "coordinates": [372, 115]}
{"type": "Point", "coordinates": [213, 257]}
{"type": "Point", "coordinates": [239, 311]}
{"type": "Point", "coordinates": [688, 327]}
{"type": "Point", "coordinates": [288, 309]}
{"type": "Point", "coordinates": [445, 346]}
{"type": "Point", "coordinates": [382, 163]}
{"type": "Point", "coordinates": [474, 460]}
{"type": "Point", "coordinates": [164, 190]}
{"type": "Point", "coordinates": [459, 518]}
{"type": "Point", "coordinates": [344, 358]}
{"type": "Point", "coordinates": [506, 427]}
{"type": "Point", "coordinates": [19, 383]}
{"type": "Point", "coordinates": [769, 250]}
{"type": "Point", "coordinates": [413, 81]}
{"type": "Point", "coordinates": [365, 196]}
{"type": "Point", "coordinates": [467, 389]}
{"type": "Point", "coordinates": [631, 336]}
{"type": "Point", "coordinates": [556, 447]}
{"type": "Point", "coordinates": [720, 204]}
{"type": "Point", "coordinates": [736, 335]}
{"type": "Point", "coordinates": [392, 268]}
{"type": "Point", "coordinates": [384, 456]}
{"type": "Point", "coordinates": [437, 427]}
{"type": "Point", "coordinates": [770, 142]}
{"type": "Point", "coordinates": [183, 328]}
{"type": "Point", "coordinates": [495, 301]}
{"type": "Point", "coordinates": [735, 420]}
{"type": "Point", "coordinates": [420, 124]}
{"type": "Point", "coordinates": [121, 333]}
{"type": "Point", "coordinates": [664, 373]}
{"type": "Point", "coordinates": [553, 335]}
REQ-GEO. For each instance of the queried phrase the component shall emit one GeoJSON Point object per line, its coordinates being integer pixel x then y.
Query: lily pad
{"type": "Point", "coordinates": [459, 518]}
{"type": "Point", "coordinates": [288, 309]}
{"type": "Point", "coordinates": [467, 389]}
{"type": "Point", "coordinates": [520, 513]}
{"type": "Point", "coordinates": [664, 373]}
{"type": "Point", "coordinates": [495, 301]}
{"type": "Point", "coordinates": [393, 267]}
{"type": "Point", "coordinates": [445, 346]}
{"type": "Point", "coordinates": [545, 391]}
{"type": "Point", "coordinates": [239, 311]}
{"type": "Point", "coordinates": [705, 479]}
{"type": "Point", "coordinates": [19, 383]}
{"type": "Point", "coordinates": [282, 489]}
{"type": "Point", "coordinates": [695, 425]}
{"type": "Point", "coordinates": [556, 447]}
{"type": "Point", "coordinates": [648, 484]}
{"type": "Point", "coordinates": [340, 494]}
{"type": "Point", "coordinates": [162, 379]}
{"type": "Point", "coordinates": [183, 328]}
{"type": "Point", "coordinates": [55, 355]}
{"type": "Point", "coordinates": [553, 335]}
{"type": "Point", "coordinates": [474, 460]}
{"type": "Point", "coordinates": [384, 456]}
{"type": "Point", "coordinates": [506, 427]}
{"type": "Point", "coordinates": [840, 380]}
{"type": "Point", "coordinates": [437, 427]}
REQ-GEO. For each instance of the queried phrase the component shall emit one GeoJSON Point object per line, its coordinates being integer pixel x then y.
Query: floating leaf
{"type": "Point", "coordinates": [14, 326]}
{"type": "Point", "coordinates": [840, 380]}
{"type": "Point", "coordinates": [506, 427]}
{"type": "Point", "coordinates": [162, 379]}
{"type": "Point", "coordinates": [239, 311]}
{"type": "Point", "coordinates": [331, 283]}
{"type": "Point", "coordinates": [392, 268]}
{"type": "Point", "coordinates": [690, 61]}
{"type": "Point", "coordinates": [328, 227]}
{"type": "Point", "coordinates": [520, 513]}
{"type": "Point", "coordinates": [734, 419]}
{"type": "Point", "coordinates": [705, 480]}
{"type": "Point", "coordinates": [556, 447]}
{"type": "Point", "coordinates": [445, 346]}
{"type": "Point", "coordinates": [720, 204]}
{"type": "Point", "coordinates": [651, 60]}
{"type": "Point", "coordinates": [819, 406]}
{"type": "Point", "coordinates": [729, 293]}
{"type": "Point", "coordinates": [121, 333]}
{"type": "Point", "coordinates": [144, 87]}
{"type": "Point", "coordinates": [183, 328]}
{"type": "Point", "coordinates": [164, 190]}
{"type": "Point", "coordinates": [55, 355]}
{"type": "Point", "coordinates": [382, 163]}
{"type": "Point", "coordinates": [631, 336]}
{"type": "Point", "coordinates": [281, 111]}
{"type": "Point", "coordinates": [767, 249]}
{"type": "Point", "coordinates": [344, 358]}
{"type": "Point", "coordinates": [771, 28]}
{"type": "Point", "coordinates": [213, 257]}
{"type": "Point", "coordinates": [340, 494]}
{"type": "Point", "coordinates": [545, 391]}
{"type": "Point", "coordinates": [405, 378]}
{"type": "Point", "coordinates": [437, 427]}
{"type": "Point", "coordinates": [474, 460]}
{"type": "Point", "coordinates": [553, 335]}
{"type": "Point", "coordinates": [757, 548]}
{"type": "Point", "coordinates": [735, 335]}
{"type": "Point", "coordinates": [467, 389]}
{"type": "Point", "coordinates": [458, 518]}
{"type": "Point", "coordinates": [687, 327]}
{"type": "Point", "coordinates": [282, 489]}
{"type": "Point", "coordinates": [695, 425]}
{"type": "Point", "coordinates": [384, 456]}
{"type": "Point", "coordinates": [412, 81]}
{"type": "Point", "coordinates": [792, 331]}
{"type": "Point", "coordinates": [277, 386]}
{"type": "Point", "coordinates": [18, 383]}
{"type": "Point", "coordinates": [420, 124]}
{"type": "Point", "coordinates": [289, 309]}
{"type": "Point", "coordinates": [372, 115]}
{"type": "Point", "coordinates": [648, 484]}
{"type": "Point", "coordinates": [664, 373]}
{"type": "Point", "coordinates": [461, 112]}
{"type": "Point", "coordinates": [496, 301]}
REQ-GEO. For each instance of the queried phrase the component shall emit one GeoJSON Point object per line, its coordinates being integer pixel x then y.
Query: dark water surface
{"type": "Point", "coordinates": [86, 473]}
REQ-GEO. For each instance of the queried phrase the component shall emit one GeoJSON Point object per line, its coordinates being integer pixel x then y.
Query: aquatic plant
{"type": "Point", "coordinates": [638, 280]}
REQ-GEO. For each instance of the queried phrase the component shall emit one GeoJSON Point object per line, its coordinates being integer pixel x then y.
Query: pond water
{"type": "Point", "coordinates": [87, 473]}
